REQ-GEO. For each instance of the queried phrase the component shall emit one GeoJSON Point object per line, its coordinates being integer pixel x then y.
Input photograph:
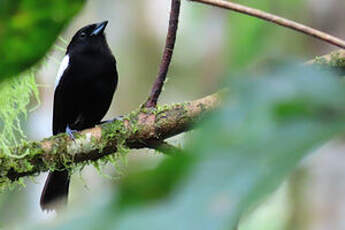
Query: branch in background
{"type": "Point", "coordinates": [140, 129]}
{"type": "Point", "coordinates": [275, 19]}
{"type": "Point", "coordinates": [167, 54]}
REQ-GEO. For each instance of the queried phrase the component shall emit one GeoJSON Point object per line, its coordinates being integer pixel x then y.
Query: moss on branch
{"type": "Point", "coordinates": [334, 61]}
{"type": "Point", "coordinates": [141, 128]}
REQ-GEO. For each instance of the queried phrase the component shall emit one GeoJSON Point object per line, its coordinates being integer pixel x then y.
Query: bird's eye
{"type": "Point", "coordinates": [82, 35]}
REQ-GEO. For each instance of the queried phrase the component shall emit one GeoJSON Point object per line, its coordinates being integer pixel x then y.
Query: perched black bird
{"type": "Point", "coordinates": [85, 86]}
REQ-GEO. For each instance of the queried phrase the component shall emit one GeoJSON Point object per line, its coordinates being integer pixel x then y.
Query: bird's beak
{"type": "Point", "coordinates": [100, 27]}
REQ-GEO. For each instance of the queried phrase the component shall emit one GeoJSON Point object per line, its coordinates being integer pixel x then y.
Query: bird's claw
{"type": "Point", "coordinates": [118, 118]}
{"type": "Point", "coordinates": [70, 132]}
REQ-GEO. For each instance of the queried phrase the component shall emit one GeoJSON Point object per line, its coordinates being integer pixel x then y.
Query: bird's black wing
{"type": "Point", "coordinates": [84, 93]}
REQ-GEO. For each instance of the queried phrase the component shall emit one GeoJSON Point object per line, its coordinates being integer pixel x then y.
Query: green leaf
{"type": "Point", "coordinates": [27, 30]}
{"type": "Point", "coordinates": [239, 156]}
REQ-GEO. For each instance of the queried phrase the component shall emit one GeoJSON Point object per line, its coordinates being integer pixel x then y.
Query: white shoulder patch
{"type": "Point", "coordinates": [62, 68]}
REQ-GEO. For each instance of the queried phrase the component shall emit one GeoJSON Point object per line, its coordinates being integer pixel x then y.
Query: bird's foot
{"type": "Point", "coordinates": [70, 132]}
{"type": "Point", "coordinates": [119, 118]}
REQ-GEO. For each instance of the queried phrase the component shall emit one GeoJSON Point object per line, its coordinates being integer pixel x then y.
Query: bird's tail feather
{"type": "Point", "coordinates": [55, 191]}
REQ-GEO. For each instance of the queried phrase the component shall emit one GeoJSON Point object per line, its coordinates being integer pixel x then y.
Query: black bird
{"type": "Point", "coordinates": [86, 82]}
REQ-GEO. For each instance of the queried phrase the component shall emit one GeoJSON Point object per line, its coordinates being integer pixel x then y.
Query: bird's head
{"type": "Point", "coordinates": [90, 38]}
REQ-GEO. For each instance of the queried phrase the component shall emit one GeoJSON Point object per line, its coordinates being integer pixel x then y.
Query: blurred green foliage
{"type": "Point", "coordinates": [251, 39]}
{"type": "Point", "coordinates": [242, 153]}
{"type": "Point", "coordinates": [28, 28]}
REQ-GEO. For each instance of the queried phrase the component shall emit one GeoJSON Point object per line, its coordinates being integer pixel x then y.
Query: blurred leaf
{"type": "Point", "coordinates": [242, 153]}
{"type": "Point", "coordinates": [8, 207]}
{"type": "Point", "coordinates": [249, 37]}
{"type": "Point", "coordinates": [28, 28]}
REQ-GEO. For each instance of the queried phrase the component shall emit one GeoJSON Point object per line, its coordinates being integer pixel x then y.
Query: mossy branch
{"type": "Point", "coordinates": [145, 127]}
{"type": "Point", "coordinates": [334, 61]}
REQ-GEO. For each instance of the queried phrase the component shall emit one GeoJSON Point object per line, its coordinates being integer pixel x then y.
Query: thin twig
{"type": "Point", "coordinates": [275, 19]}
{"type": "Point", "coordinates": [167, 54]}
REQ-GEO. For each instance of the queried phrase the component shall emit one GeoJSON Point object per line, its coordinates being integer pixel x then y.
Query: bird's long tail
{"type": "Point", "coordinates": [55, 191]}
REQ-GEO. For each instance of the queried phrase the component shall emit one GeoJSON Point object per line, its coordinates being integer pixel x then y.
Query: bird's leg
{"type": "Point", "coordinates": [70, 132]}
{"type": "Point", "coordinates": [118, 118]}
